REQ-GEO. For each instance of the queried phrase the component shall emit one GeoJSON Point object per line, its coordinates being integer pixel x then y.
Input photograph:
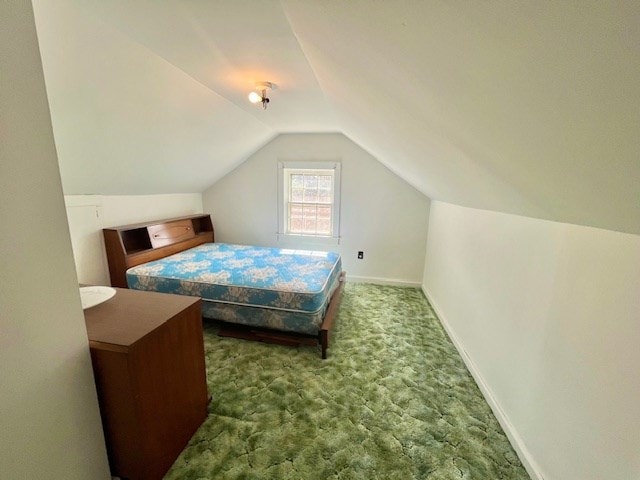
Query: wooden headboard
{"type": "Point", "coordinates": [131, 245]}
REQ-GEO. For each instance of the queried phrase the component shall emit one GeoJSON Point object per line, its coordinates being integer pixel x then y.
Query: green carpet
{"type": "Point", "coordinates": [393, 401]}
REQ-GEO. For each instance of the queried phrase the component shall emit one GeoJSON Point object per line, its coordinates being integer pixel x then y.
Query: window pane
{"type": "Point", "coordinates": [309, 226]}
{"type": "Point", "coordinates": [324, 211]}
{"type": "Point", "coordinates": [324, 182]}
{"type": "Point", "coordinates": [296, 194]}
{"type": "Point", "coordinates": [324, 220]}
{"type": "Point", "coordinates": [324, 196]}
{"type": "Point", "coordinates": [310, 196]}
{"type": "Point", "coordinates": [295, 218]}
{"type": "Point", "coordinates": [309, 210]}
{"type": "Point", "coordinates": [325, 189]}
{"type": "Point", "coordinates": [297, 181]}
{"type": "Point", "coordinates": [324, 227]}
{"type": "Point", "coordinates": [310, 182]}
{"type": "Point", "coordinates": [310, 188]}
{"type": "Point", "coordinates": [310, 219]}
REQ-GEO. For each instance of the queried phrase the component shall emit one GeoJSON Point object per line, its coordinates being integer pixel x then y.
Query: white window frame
{"type": "Point", "coordinates": [285, 168]}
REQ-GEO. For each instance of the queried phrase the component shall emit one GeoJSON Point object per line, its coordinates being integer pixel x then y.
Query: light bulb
{"type": "Point", "coordinates": [255, 97]}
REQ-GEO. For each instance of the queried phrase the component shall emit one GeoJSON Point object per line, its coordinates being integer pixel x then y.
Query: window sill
{"type": "Point", "coordinates": [306, 240]}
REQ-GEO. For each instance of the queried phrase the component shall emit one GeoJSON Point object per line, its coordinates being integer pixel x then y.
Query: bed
{"type": "Point", "coordinates": [267, 294]}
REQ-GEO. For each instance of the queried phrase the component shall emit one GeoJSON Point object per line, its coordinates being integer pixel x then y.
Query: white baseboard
{"type": "Point", "coordinates": [383, 281]}
{"type": "Point", "coordinates": [517, 443]}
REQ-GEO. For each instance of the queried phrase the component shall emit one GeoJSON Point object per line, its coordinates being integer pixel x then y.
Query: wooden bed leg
{"type": "Point", "coordinates": [330, 316]}
{"type": "Point", "coordinates": [324, 342]}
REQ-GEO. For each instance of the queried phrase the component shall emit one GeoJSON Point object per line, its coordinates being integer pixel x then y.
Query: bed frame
{"type": "Point", "coordinates": [130, 245]}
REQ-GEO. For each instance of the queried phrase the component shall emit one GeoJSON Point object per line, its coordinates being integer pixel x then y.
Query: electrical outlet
{"type": "Point", "coordinates": [360, 255]}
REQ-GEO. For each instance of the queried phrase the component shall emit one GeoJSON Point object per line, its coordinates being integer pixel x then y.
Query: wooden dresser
{"type": "Point", "coordinates": [148, 360]}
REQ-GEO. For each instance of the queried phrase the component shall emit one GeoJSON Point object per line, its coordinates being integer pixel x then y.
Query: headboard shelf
{"type": "Point", "coordinates": [134, 244]}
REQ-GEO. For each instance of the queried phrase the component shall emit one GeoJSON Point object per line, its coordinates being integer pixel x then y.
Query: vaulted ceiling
{"type": "Point", "coordinates": [530, 108]}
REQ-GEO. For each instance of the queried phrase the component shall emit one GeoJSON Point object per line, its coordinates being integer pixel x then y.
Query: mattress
{"type": "Point", "coordinates": [277, 288]}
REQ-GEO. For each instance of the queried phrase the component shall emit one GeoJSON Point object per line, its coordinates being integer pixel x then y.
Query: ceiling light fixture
{"type": "Point", "coordinates": [260, 93]}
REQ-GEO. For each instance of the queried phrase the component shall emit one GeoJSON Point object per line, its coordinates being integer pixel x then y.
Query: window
{"type": "Point", "coordinates": [309, 199]}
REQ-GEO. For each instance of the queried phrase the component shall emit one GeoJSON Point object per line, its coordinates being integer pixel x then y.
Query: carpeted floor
{"type": "Point", "coordinates": [393, 401]}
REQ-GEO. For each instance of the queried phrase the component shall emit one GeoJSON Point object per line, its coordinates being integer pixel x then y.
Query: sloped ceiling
{"type": "Point", "coordinates": [530, 108]}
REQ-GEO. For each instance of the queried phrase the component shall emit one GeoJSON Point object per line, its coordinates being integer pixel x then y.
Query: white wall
{"type": "Point", "coordinates": [49, 421]}
{"type": "Point", "coordinates": [381, 214]}
{"type": "Point", "coordinates": [125, 119]}
{"type": "Point", "coordinates": [547, 316]}
{"type": "Point", "coordinates": [89, 214]}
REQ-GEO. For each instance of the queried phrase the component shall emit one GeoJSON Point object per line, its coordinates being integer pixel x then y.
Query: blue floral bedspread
{"type": "Point", "coordinates": [250, 279]}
